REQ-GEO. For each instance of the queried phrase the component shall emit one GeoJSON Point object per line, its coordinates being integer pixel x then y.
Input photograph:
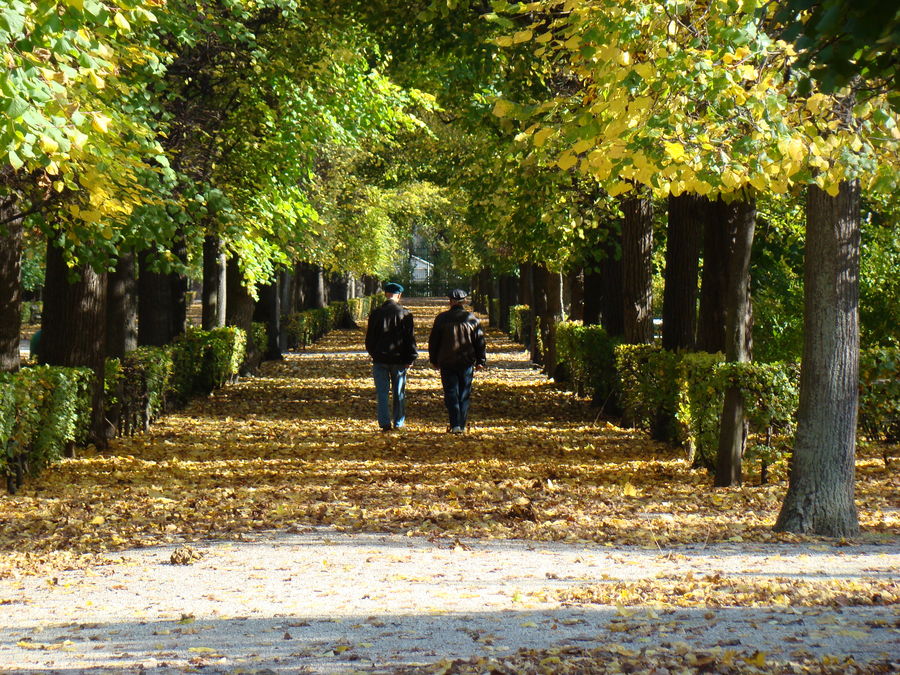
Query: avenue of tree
{"type": "Point", "coordinates": [570, 155]}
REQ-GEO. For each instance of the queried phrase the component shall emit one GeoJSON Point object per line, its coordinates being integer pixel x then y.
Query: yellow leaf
{"type": "Point", "coordinates": [758, 659]}
{"type": "Point", "coordinates": [583, 146]}
{"type": "Point", "coordinates": [98, 520]}
{"type": "Point", "coordinates": [566, 161]}
{"type": "Point", "coordinates": [100, 122]}
{"type": "Point", "coordinates": [541, 136]}
{"type": "Point", "coordinates": [674, 150]}
{"type": "Point", "coordinates": [201, 650]}
{"type": "Point", "coordinates": [522, 36]}
{"type": "Point", "coordinates": [48, 145]}
{"type": "Point", "coordinates": [121, 21]}
{"type": "Point", "coordinates": [502, 108]}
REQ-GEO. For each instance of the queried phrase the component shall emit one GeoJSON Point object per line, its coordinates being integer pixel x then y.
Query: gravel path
{"type": "Point", "coordinates": [326, 602]}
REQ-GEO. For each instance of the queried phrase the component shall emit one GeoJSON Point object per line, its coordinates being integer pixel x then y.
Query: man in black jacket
{"type": "Point", "coordinates": [392, 346]}
{"type": "Point", "coordinates": [456, 346]}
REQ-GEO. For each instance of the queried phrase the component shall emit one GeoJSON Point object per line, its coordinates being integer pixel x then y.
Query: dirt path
{"type": "Point", "coordinates": [323, 544]}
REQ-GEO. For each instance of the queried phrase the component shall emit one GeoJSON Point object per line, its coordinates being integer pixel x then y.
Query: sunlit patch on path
{"type": "Point", "coordinates": [314, 524]}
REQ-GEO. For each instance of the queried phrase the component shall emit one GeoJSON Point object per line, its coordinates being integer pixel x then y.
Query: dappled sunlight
{"type": "Point", "coordinates": [299, 445]}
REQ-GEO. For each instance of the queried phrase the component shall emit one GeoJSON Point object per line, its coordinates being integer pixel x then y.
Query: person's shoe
{"type": "Point", "coordinates": [386, 429]}
{"type": "Point", "coordinates": [456, 430]}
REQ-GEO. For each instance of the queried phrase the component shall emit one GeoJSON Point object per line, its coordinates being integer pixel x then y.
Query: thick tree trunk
{"type": "Point", "coordinates": [239, 313]}
{"type": "Point", "coordinates": [539, 290]}
{"type": "Point", "coordinates": [526, 284]}
{"type": "Point", "coordinates": [73, 329]}
{"type": "Point", "coordinates": [679, 313]}
{"type": "Point", "coordinates": [316, 291]}
{"type": "Point", "coordinates": [637, 291]}
{"type": "Point", "coordinates": [733, 427]}
{"type": "Point", "coordinates": [161, 304]}
{"type": "Point", "coordinates": [553, 317]}
{"type": "Point", "coordinates": [820, 498]}
{"type": "Point", "coordinates": [268, 311]}
{"type": "Point", "coordinates": [509, 288]}
{"type": "Point", "coordinates": [10, 288]}
{"type": "Point", "coordinates": [591, 309]}
{"type": "Point", "coordinates": [121, 308]}
{"type": "Point", "coordinates": [574, 307]}
{"type": "Point", "coordinates": [339, 287]}
{"type": "Point", "coordinates": [612, 279]}
{"type": "Point", "coordinates": [718, 245]}
{"type": "Point", "coordinates": [214, 287]}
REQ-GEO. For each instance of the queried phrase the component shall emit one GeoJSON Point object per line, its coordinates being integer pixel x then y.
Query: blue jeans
{"type": "Point", "coordinates": [390, 380]}
{"type": "Point", "coordinates": [457, 383]}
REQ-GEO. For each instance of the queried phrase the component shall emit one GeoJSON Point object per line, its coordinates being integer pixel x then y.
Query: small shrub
{"type": "Point", "coordinates": [520, 324]}
{"type": "Point", "coordinates": [879, 394]}
{"type": "Point", "coordinates": [588, 354]}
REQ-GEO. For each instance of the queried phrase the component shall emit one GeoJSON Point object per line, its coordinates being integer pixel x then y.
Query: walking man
{"type": "Point", "coordinates": [456, 346]}
{"type": "Point", "coordinates": [392, 346]}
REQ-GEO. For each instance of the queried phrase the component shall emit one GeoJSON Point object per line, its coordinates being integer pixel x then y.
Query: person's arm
{"type": "Point", "coordinates": [434, 341]}
{"type": "Point", "coordinates": [479, 345]}
{"type": "Point", "coordinates": [409, 340]}
{"type": "Point", "coordinates": [372, 331]}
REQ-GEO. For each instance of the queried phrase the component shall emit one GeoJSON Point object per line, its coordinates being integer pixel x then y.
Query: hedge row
{"type": "Point", "coordinates": [304, 328]}
{"type": "Point", "coordinates": [43, 410]}
{"type": "Point", "coordinates": [678, 397]}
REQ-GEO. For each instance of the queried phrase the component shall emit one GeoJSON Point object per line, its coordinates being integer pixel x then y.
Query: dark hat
{"type": "Point", "coordinates": [457, 294]}
{"type": "Point", "coordinates": [391, 287]}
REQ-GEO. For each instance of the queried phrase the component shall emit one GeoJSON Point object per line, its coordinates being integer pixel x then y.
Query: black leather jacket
{"type": "Point", "coordinates": [456, 340]}
{"type": "Point", "coordinates": [389, 336]}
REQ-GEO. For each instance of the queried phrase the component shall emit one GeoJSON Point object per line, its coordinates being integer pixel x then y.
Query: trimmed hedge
{"type": "Point", "coordinates": [43, 409]}
{"type": "Point", "coordinates": [520, 324]}
{"type": "Point", "coordinates": [588, 352]}
{"type": "Point", "coordinates": [304, 328]}
{"type": "Point", "coordinates": [879, 394]}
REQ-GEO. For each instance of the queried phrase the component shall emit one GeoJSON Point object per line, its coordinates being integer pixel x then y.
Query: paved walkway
{"type": "Point", "coordinates": [315, 598]}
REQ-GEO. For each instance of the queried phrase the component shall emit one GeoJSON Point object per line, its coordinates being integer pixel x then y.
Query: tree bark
{"type": "Point", "coordinates": [161, 304]}
{"type": "Point", "coordinates": [637, 291]}
{"type": "Point", "coordinates": [239, 313]}
{"type": "Point", "coordinates": [591, 309]}
{"type": "Point", "coordinates": [509, 289]}
{"type": "Point", "coordinates": [574, 308]}
{"type": "Point", "coordinates": [540, 289]}
{"type": "Point", "coordinates": [733, 426]}
{"type": "Point", "coordinates": [820, 496]}
{"type": "Point", "coordinates": [10, 288]}
{"type": "Point", "coordinates": [121, 308]}
{"type": "Point", "coordinates": [268, 311]}
{"type": "Point", "coordinates": [718, 244]}
{"type": "Point", "coordinates": [526, 284]}
{"type": "Point", "coordinates": [679, 313]}
{"type": "Point", "coordinates": [214, 287]}
{"type": "Point", "coordinates": [316, 291]}
{"type": "Point", "coordinates": [552, 318]}
{"type": "Point", "coordinates": [73, 328]}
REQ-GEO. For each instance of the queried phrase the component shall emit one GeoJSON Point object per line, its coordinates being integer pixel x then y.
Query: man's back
{"type": "Point", "coordinates": [456, 339]}
{"type": "Point", "coordinates": [389, 336]}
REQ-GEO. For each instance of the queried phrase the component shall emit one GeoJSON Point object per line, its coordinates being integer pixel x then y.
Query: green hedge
{"type": "Point", "coordinates": [588, 352]}
{"type": "Point", "coordinates": [520, 324]}
{"type": "Point", "coordinates": [304, 328]}
{"type": "Point", "coordinates": [42, 410]}
{"type": "Point", "coordinates": [648, 388]}
{"type": "Point", "coordinates": [771, 395]}
{"type": "Point", "coordinates": [879, 394]}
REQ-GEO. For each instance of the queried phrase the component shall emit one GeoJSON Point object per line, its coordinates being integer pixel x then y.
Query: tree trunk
{"type": "Point", "coordinates": [820, 498]}
{"type": "Point", "coordinates": [574, 308]}
{"type": "Point", "coordinates": [73, 329]}
{"type": "Point", "coordinates": [679, 313]}
{"type": "Point", "coordinates": [553, 317]}
{"type": "Point", "coordinates": [316, 291]}
{"type": "Point", "coordinates": [637, 291]}
{"type": "Point", "coordinates": [213, 298]}
{"type": "Point", "coordinates": [509, 289]}
{"type": "Point", "coordinates": [339, 287]}
{"type": "Point", "coordinates": [239, 313]}
{"type": "Point", "coordinates": [10, 288]}
{"type": "Point", "coordinates": [539, 324]}
{"type": "Point", "coordinates": [718, 244]}
{"type": "Point", "coordinates": [268, 311]}
{"type": "Point", "coordinates": [121, 308]}
{"type": "Point", "coordinates": [526, 284]}
{"type": "Point", "coordinates": [159, 319]}
{"type": "Point", "coordinates": [733, 426]}
{"type": "Point", "coordinates": [593, 296]}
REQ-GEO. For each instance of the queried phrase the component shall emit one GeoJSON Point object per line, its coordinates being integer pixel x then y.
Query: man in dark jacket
{"type": "Point", "coordinates": [392, 346]}
{"type": "Point", "coordinates": [456, 346]}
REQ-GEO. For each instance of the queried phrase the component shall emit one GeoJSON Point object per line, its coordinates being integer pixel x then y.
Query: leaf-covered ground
{"type": "Point", "coordinates": [299, 445]}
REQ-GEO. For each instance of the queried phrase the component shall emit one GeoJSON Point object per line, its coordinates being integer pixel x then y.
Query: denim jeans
{"type": "Point", "coordinates": [390, 381]}
{"type": "Point", "coordinates": [457, 383]}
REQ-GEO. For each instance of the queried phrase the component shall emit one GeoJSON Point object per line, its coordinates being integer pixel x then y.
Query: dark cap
{"type": "Point", "coordinates": [391, 287]}
{"type": "Point", "coordinates": [457, 294]}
